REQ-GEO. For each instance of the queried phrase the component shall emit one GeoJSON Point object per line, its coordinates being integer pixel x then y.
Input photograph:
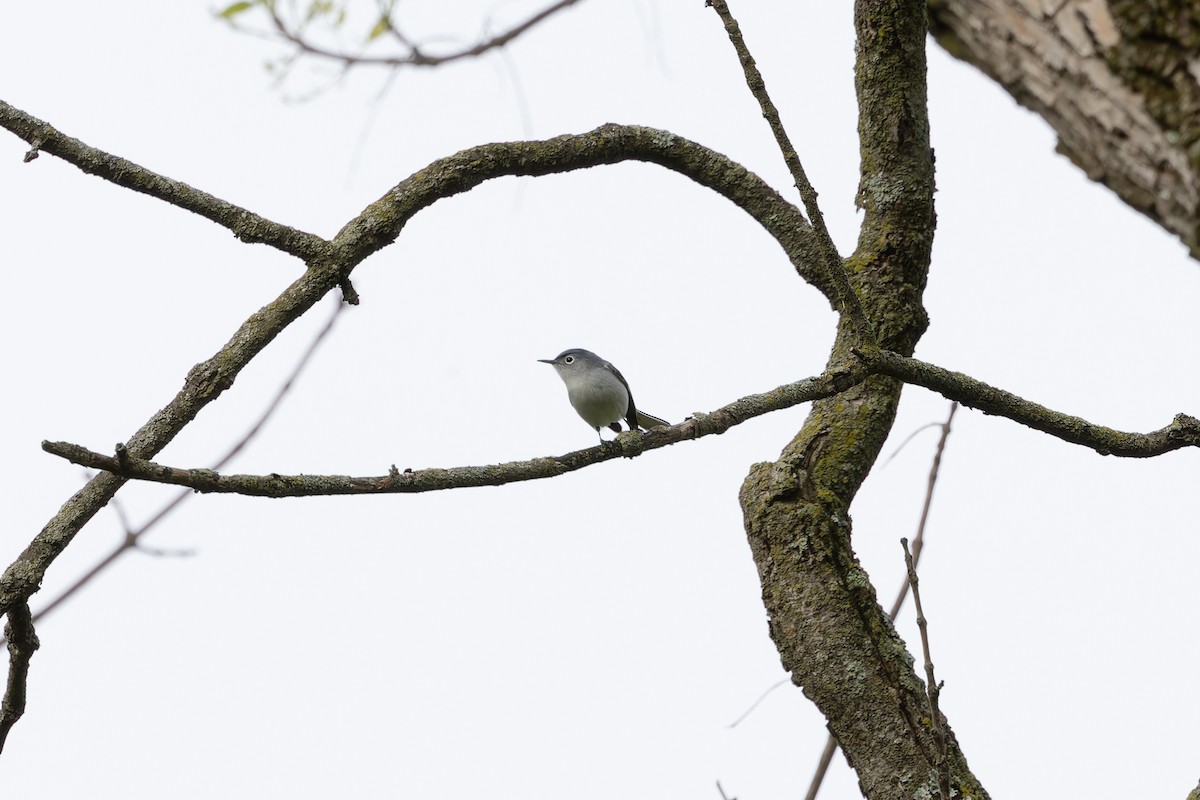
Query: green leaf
{"type": "Point", "coordinates": [318, 8]}
{"type": "Point", "coordinates": [236, 8]}
{"type": "Point", "coordinates": [382, 26]}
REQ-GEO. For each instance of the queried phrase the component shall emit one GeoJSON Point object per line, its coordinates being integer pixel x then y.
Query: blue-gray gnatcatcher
{"type": "Point", "coordinates": [599, 392]}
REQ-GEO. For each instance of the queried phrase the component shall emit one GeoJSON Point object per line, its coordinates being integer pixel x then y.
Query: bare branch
{"type": "Point", "coordinates": [22, 642]}
{"type": "Point", "coordinates": [412, 55]}
{"type": "Point", "coordinates": [822, 769]}
{"type": "Point", "coordinates": [918, 545]}
{"type": "Point", "coordinates": [245, 225]}
{"type": "Point", "coordinates": [409, 481]}
{"type": "Point", "coordinates": [375, 228]}
{"type": "Point", "coordinates": [759, 701]}
{"type": "Point", "coordinates": [847, 299]}
{"type": "Point", "coordinates": [1184, 431]}
{"type": "Point", "coordinates": [931, 685]}
{"type": "Point", "coordinates": [133, 537]}
{"type": "Point", "coordinates": [380, 223]}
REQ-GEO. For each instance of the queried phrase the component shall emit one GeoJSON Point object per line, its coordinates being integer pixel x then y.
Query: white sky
{"type": "Point", "coordinates": [590, 636]}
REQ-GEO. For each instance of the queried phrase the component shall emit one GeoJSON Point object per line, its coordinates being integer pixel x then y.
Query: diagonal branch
{"type": "Point", "coordinates": [1184, 431]}
{"type": "Point", "coordinates": [245, 225]}
{"type": "Point", "coordinates": [133, 537]}
{"type": "Point", "coordinates": [847, 299]}
{"type": "Point", "coordinates": [409, 481]}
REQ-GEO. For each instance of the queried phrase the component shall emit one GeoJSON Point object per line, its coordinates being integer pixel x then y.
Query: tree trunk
{"type": "Point", "coordinates": [1116, 80]}
{"type": "Point", "coordinates": [831, 634]}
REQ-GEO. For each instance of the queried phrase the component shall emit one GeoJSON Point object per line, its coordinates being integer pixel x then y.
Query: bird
{"type": "Point", "coordinates": [599, 392]}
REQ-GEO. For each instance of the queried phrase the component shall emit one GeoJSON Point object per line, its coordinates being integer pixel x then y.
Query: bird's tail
{"type": "Point", "coordinates": [648, 421]}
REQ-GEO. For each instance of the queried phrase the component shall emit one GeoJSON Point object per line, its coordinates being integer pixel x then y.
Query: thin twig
{"type": "Point", "coordinates": [822, 768]}
{"type": "Point", "coordinates": [758, 702]}
{"type": "Point", "coordinates": [415, 57]}
{"type": "Point", "coordinates": [932, 688]}
{"type": "Point", "coordinates": [918, 544]}
{"type": "Point", "coordinates": [22, 642]}
{"type": "Point", "coordinates": [132, 537]}
{"type": "Point", "coordinates": [908, 439]}
{"type": "Point", "coordinates": [833, 260]}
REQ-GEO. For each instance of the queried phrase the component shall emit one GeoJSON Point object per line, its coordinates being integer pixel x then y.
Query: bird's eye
{"type": "Point", "coordinates": [569, 360]}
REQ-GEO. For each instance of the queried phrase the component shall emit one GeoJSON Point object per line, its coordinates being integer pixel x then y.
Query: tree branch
{"type": "Point", "coordinates": [409, 481]}
{"type": "Point", "coordinates": [415, 56]}
{"type": "Point", "coordinates": [133, 538]}
{"type": "Point", "coordinates": [330, 265]}
{"type": "Point", "coordinates": [1184, 431]}
{"type": "Point", "coordinates": [245, 225]}
{"type": "Point", "coordinates": [932, 688]}
{"type": "Point", "coordinates": [382, 221]}
{"type": "Point", "coordinates": [22, 642]}
{"type": "Point", "coordinates": [848, 303]}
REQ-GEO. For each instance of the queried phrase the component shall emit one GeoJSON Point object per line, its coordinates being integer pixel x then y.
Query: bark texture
{"type": "Point", "coordinates": [828, 627]}
{"type": "Point", "coordinates": [1117, 80]}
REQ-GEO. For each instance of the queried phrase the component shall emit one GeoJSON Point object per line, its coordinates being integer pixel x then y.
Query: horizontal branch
{"type": "Point", "coordinates": [1184, 431]}
{"type": "Point", "coordinates": [409, 481]}
{"type": "Point", "coordinates": [245, 225]}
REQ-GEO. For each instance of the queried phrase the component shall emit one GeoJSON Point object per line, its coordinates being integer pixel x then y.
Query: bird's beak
{"type": "Point", "coordinates": [546, 360]}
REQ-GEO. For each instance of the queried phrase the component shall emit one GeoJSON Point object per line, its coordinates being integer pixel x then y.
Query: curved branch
{"type": "Point", "coordinates": [409, 481]}
{"type": "Point", "coordinates": [415, 57]}
{"type": "Point", "coordinates": [330, 265]}
{"type": "Point", "coordinates": [381, 222]}
{"type": "Point", "coordinates": [245, 225]}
